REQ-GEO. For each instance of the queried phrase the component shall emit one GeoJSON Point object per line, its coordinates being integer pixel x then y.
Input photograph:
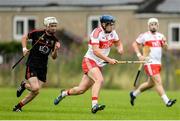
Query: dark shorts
{"type": "Point", "coordinates": [40, 73]}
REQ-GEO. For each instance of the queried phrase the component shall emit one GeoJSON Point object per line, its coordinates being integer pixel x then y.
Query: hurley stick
{"type": "Point", "coordinates": [146, 51]}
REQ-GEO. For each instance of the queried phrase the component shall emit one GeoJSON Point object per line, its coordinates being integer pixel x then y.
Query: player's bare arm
{"type": "Point", "coordinates": [24, 44]}
{"type": "Point", "coordinates": [55, 52]}
{"type": "Point", "coordinates": [137, 47]}
{"type": "Point", "coordinates": [119, 46]}
{"type": "Point", "coordinates": [165, 44]}
{"type": "Point", "coordinates": [97, 52]}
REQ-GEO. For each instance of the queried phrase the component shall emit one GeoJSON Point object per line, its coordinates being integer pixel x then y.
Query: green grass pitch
{"type": "Point", "coordinates": [147, 106]}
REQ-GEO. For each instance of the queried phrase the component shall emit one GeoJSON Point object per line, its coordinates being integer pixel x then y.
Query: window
{"type": "Point", "coordinates": [31, 24]}
{"type": "Point", "coordinates": [19, 27]}
{"type": "Point", "coordinates": [174, 36]}
{"type": "Point", "coordinates": [22, 25]}
{"type": "Point", "coordinates": [93, 22]}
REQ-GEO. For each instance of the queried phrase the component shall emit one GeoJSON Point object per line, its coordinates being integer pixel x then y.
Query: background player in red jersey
{"type": "Point", "coordinates": [155, 41]}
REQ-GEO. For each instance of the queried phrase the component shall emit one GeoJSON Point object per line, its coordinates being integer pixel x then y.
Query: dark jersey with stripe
{"type": "Point", "coordinates": [38, 56]}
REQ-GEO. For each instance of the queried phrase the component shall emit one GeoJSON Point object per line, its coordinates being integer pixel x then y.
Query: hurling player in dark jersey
{"type": "Point", "coordinates": [43, 43]}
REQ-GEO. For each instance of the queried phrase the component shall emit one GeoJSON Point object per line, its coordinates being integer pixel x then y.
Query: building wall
{"type": "Point", "coordinates": [128, 24]}
{"type": "Point", "coordinates": [6, 26]}
{"type": "Point", "coordinates": [73, 21]}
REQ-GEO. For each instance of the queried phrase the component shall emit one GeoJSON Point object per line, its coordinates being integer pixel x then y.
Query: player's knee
{"type": "Point", "coordinates": [35, 90]}
{"type": "Point", "coordinates": [158, 82]}
{"type": "Point", "coordinates": [100, 81]}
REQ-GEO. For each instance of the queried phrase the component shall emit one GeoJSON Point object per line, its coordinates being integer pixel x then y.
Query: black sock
{"type": "Point", "coordinates": [20, 105]}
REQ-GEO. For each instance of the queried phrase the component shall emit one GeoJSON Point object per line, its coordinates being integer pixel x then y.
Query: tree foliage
{"type": "Point", "coordinates": [10, 47]}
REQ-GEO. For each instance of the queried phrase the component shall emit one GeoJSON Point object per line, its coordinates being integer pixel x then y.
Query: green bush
{"type": "Point", "coordinates": [10, 47]}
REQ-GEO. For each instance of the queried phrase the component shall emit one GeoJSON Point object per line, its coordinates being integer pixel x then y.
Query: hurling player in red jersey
{"type": "Point", "coordinates": [155, 41]}
{"type": "Point", "coordinates": [101, 40]}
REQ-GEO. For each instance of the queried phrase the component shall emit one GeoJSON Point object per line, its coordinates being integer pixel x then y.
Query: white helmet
{"type": "Point", "coordinates": [50, 20]}
{"type": "Point", "coordinates": [151, 20]}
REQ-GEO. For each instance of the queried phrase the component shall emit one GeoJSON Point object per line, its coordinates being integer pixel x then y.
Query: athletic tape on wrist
{"type": "Point", "coordinates": [24, 49]}
{"type": "Point", "coordinates": [139, 55]}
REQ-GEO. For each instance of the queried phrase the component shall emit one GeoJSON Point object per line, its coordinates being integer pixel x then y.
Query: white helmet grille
{"type": "Point", "coordinates": [50, 20]}
{"type": "Point", "coordinates": [151, 20]}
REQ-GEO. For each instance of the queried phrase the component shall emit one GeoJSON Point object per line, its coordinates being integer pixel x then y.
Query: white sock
{"type": "Point", "coordinates": [136, 92]}
{"type": "Point", "coordinates": [165, 98]}
{"type": "Point", "coordinates": [94, 102]}
{"type": "Point", "coordinates": [64, 93]}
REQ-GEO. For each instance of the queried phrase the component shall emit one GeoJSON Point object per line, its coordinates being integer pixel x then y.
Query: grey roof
{"type": "Point", "coordinates": [169, 6]}
{"type": "Point", "coordinates": [160, 6]}
{"type": "Point", "coordinates": [145, 6]}
{"type": "Point", "coordinates": [8, 3]}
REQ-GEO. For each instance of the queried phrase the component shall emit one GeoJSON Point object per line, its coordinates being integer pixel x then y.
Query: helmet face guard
{"type": "Point", "coordinates": [50, 20]}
